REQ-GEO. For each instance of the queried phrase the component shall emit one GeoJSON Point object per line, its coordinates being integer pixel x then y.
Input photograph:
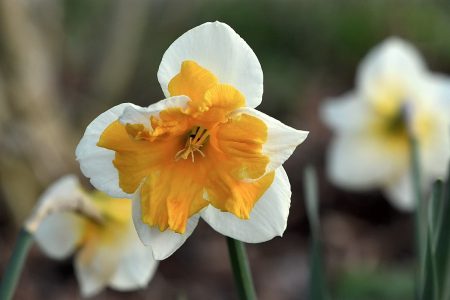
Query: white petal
{"type": "Point", "coordinates": [393, 62]}
{"type": "Point", "coordinates": [176, 101]}
{"type": "Point", "coordinates": [267, 219]}
{"type": "Point", "coordinates": [136, 115]}
{"type": "Point", "coordinates": [141, 115]}
{"type": "Point", "coordinates": [136, 266]}
{"type": "Point", "coordinates": [163, 244]}
{"type": "Point", "coordinates": [441, 87]}
{"type": "Point", "coordinates": [65, 189]}
{"type": "Point", "coordinates": [96, 162]}
{"type": "Point", "coordinates": [346, 113]}
{"type": "Point", "coordinates": [400, 193]}
{"type": "Point", "coordinates": [434, 161]}
{"type": "Point", "coordinates": [361, 162]}
{"type": "Point", "coordinates": [94, 270]}
{"type": "Point", "coordinates": [59, 234]}
{"type": "Point", "coordinates": [216, 47]}
{"type": "Point", "coordinates": [435, 151]}
{"type": "Point", "coordinates": [281, 140]}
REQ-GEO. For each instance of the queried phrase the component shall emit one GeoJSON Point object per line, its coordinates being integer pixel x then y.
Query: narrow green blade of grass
{"type": "Point", "coordinates": [437, 253]}
{"type": "Point", "coordinates": [441, 197]}
{"type": "Point", "coordinates": [439, 238]}
{"type": "Point", "coordinates": [317, 283]}
{"type": "Point", "coordinates": [421, 208]}
{"type": "Point", "coordinates": [429, 290]}
{"type": "Point", "coordinates": [436, 209]}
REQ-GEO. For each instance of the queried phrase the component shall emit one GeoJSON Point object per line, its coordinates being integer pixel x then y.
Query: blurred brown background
{"type": "Point", "coordinates": [64, 62]}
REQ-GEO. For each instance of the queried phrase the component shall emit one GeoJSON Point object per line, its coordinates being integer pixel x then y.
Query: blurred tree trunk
{"type": "Point", "coordinates": [119, 60]}
{"type": "Point", "coordinates": [38, 137]}
{"type": "Point", "coordinates": [37, 143]}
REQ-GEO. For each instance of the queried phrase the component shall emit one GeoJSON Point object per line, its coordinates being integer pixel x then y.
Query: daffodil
{"type": "Point", "coordinates": [204, 151]}
{"type": "Point", "coordinates": [395, 97]}
{"type": "Point", "coordinates": [108, 251]}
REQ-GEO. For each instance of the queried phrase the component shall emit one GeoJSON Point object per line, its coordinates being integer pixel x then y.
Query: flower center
{"type": "Point", "coordinates": [196, 140]}
{"type": "Point", "coordinates": [396, 125]}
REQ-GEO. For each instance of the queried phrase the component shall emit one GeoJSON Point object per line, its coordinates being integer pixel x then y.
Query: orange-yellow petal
{"type": "Point", "coordinates": [219, 101]}
{"type": "Point", "coordinates": [128, 153]}
{"type": "Point", "coordinates": [238, 143]}
{"type": "Point", "coordinates": [234, 196]}
{"type": "Point", "coordinates": [238, 178]}
{"type": "Point", "coordinates": [192, 81]}
{"type": "Point", "coordinates": [114, 209]}
{"type": "Point", "coordinates": [170, 122]}
{"type": "Point", "coordinates": [116, 215]}
{"type": "Point", "coordinates": [135, 158]}
{"type": "Point", "coordinates": [173, 194]}
{"type": "Point", "coordinates": [211, 101]}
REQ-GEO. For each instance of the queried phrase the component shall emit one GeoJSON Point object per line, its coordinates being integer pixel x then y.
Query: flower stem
{"type": "Point", "coordinates": [241, 269]}
{"type": "Point", "coordinates": [317, 283]}
{"type": "Point", "coordinates": [420, 205]}
{"type": "Point", "coordinates": [421, 213]}
{"type": "Point", "coordinates": [15, 264]}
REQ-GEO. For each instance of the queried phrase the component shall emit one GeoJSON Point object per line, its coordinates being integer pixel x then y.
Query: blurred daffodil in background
{"type": "Point", "coordinates": [395, 97]}
{"type": "Point", "coordinates": [202, 152]}
{"type": "Point", "coordinates": [107, 249]}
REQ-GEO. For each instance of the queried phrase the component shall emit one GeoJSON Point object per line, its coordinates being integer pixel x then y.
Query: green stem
{"type": "Point", "coordinates": [15, 264]}
{"type": "Point", "coordinates": [421, 213]}
{"type": "Point", "coordinates": [241, 269]}
{"type": "Point", "coordinates": [317, 285]}
{"type": "Point", "coordinates": [420, 205]}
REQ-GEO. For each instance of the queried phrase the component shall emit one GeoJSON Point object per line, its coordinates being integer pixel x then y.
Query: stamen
{"type": "Point", "coordinates": [197, 138]}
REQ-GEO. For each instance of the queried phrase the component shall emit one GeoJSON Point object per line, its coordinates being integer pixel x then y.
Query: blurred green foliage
{"type": "Point", "coordinates": [386, 284]}
{"type": "Point", "coordinates": [299, 43]}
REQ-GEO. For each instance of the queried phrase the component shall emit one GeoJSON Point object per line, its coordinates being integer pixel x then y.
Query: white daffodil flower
{"type": "Point", "coordinates": [202, 152]}
{"type": "Point", "coordinates": [395, 96]}
{"type": "Point", "coordinates": [108, 253]}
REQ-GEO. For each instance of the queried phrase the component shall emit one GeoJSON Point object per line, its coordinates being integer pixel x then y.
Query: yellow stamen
{"type": "Point", "coordinates": [197, 138]}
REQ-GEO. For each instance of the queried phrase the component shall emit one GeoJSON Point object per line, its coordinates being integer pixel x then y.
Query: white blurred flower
{"type": "Point", "coordinates": [108, 253]}
{"type": "Point", "coordinates": [394, 94]}
{"type": "Point", "coordinates": [205, 151]}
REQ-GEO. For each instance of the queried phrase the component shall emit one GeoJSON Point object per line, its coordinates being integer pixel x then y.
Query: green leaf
{"type": "Point", "coordinates": [440, 222]}
{"type": "Point", "coordinates": [429, 290]}
{"type": "Point", "coordinates": [436, 267]}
